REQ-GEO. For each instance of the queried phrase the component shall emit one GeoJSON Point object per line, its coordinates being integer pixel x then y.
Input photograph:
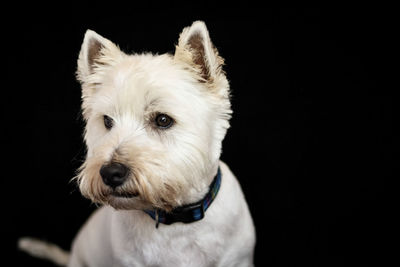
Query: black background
{"type": "Point", "coordinates": [311, 137]}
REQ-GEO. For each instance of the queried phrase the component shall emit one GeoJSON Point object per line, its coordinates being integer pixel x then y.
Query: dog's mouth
{"type": "Point", "coordinates": [125, 194]}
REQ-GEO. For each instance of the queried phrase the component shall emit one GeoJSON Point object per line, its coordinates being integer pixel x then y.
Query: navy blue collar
{"type": "Point", "coordinates": [190, 212]}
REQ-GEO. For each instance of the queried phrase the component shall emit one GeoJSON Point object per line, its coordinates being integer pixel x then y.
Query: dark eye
{"type": "Point", "coordinates": [108, 122]}
{"type": "Point", "coordinates": [163, 121]}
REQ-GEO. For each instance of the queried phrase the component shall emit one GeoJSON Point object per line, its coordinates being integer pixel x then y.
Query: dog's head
{"type": "Point", "coordinates": [154, 123]}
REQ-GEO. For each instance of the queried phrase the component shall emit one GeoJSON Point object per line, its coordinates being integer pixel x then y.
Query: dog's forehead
{"type": "Point", "coordinates": [138, 72]}
{"type": "Point", "coordinates": [142, 80]}
{"type": "Point", "coordinates": [153, 68]}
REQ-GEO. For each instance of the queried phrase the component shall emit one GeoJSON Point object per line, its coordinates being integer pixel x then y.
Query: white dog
{"type": "Point", "coordinates": [154, 128]}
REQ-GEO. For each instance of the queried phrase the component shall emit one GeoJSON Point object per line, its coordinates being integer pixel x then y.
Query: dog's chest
{"type": "Point", "coordinates": [177, 245]}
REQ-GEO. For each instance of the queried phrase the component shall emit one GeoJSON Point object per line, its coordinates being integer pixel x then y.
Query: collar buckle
{"type": "Point", "coordinates": [189, 213]}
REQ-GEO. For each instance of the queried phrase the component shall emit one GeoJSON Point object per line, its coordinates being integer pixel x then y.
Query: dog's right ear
{"type": "Point", "coordinates": [96, 52]}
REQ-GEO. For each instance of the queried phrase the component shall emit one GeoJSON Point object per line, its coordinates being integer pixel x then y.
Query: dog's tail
{"type": "Point", "coordinates": [44, 250]}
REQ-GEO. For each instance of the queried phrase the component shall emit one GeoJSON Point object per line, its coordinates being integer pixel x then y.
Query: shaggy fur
{"type": "Point", "coordinates": [167, 167]}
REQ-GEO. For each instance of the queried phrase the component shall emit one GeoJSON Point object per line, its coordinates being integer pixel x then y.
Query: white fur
{"type": "Point", "coordinates": [225, 237]}
{"type": "Point", "coordinates": [44, 250]}
{"type": "Point", "coordinates": [168, 167]}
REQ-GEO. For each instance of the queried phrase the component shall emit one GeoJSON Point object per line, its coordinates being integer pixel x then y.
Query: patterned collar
{"type": "Point", "coordinates": [191, 212]}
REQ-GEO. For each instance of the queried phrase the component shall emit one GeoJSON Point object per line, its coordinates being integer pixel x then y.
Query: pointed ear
{"type": "Point", "coordinates": [195, 48]}
{"type": "Point", "coordinates": [95, 51]}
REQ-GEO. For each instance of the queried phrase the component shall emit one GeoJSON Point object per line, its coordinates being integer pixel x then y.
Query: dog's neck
{"type": "Point", "coordinates": [190, 212]}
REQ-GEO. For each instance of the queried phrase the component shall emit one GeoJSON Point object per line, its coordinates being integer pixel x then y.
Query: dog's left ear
{"type": "Point", "coordinates": [196, 49]}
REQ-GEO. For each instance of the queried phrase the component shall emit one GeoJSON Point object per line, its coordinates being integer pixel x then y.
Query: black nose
{"type": "Point", "coordinates": [114, 174]}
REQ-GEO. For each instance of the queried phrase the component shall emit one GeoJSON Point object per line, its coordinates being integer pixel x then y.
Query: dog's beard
{"type": "Point", "coordinates": [122, 203]}
{"type": "Point", "coordinates": [142, 190]}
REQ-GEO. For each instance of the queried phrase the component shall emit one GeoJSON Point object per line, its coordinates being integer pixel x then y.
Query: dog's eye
{"type": "Point", "coordinates": [108, 122]}
{"type": "Point", "coordinates": [163, 121]}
